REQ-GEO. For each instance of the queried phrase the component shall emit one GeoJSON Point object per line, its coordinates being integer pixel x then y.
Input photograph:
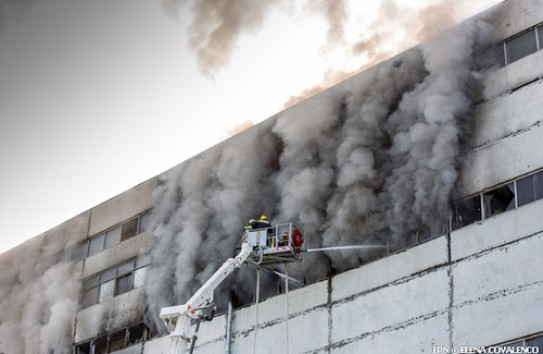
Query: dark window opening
{"type": "Point", "coordinates": [83, 348]}
{"type": "Point", "coordinates": [521, 46]}
{"type": "Point", "coordinates": [536, 342]}
{"type": "Point", "coordinates": [114, 341]}
{"type": "Point", "coordinates": [117, 341]}
{"type": "Point", "coordinates": [499, 200]}
{"type": "Point", "coordinates": [466, 212]}
{"type": "Point", "coordinates": [136, 334]}
{"type": "Point", "coordinates": [130, 229]}
{"type": "Point", "coordinates": [99, 345]}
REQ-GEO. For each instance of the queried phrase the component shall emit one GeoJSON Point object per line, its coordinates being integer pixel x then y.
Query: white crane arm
{"type": "Point", "coordinates": [178, 319]}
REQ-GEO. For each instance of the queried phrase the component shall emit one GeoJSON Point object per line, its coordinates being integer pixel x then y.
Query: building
{"type": "Point", "coordinates": [435, 153]}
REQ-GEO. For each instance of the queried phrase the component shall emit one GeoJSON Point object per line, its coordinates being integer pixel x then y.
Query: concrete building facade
{"type": "Point", "coordinates": [92, 284]}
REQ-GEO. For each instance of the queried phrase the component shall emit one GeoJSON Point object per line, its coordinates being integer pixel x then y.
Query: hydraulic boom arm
{"type": "Point", "coordinates": [178, 319]}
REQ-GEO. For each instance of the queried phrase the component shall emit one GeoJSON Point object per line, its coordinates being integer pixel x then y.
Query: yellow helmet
{"type": "Point", "coordinates": [263, 217]}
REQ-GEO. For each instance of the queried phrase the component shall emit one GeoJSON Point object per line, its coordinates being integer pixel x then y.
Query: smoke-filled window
{"type": "Point", "coordinates": [113, 236]}
{"type": "Point", "coordinates": [466, 212]}
{"type": "Point", "coordinates": [530, 188]}
{"type": "Point", "coordinates": [114, 341]}
{"type": "Point", "coordinates": [498, 200]}
{"type": "Point", "coordinates": [114, 281]}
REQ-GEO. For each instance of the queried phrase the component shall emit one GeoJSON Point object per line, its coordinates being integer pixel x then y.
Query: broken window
{"type": "Point", "coordinates": [530, 188]}
{"type": "Point", "coordinates": [466, 212]}
{"type": "Point", "coordinates": [521, 46]}
{"type": "Point", "coordinates": [499, 200]}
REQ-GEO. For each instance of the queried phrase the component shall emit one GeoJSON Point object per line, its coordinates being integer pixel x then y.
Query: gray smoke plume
{"type": "Point", "coordinates": [39, 290]}
{"type": "Point", "coordinates": [216, 25]}
{"type": "Point", "coordinates": [393, 19]}
{"type": "Point", "coordinates": [373, 160]}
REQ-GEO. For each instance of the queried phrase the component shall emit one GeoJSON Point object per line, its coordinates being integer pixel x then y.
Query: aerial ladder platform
{"type": "Point", "coordinates": [276, 244]}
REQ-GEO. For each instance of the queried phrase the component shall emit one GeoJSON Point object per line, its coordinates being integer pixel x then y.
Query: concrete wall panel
{"type": "Point", "coordinates": [506, 159]}
{"type": "Point", "coordinates": [392, 306]}
{"type": "Point", "coordinates": [516, 16]}
{"type": "Point", "coordinates": [389, 269]}
{"type": "Point", "coordinates": [512, 113]}
{"type": "Point", "coordinates": [309, 332]}
{"type": "Point", "coordinates": [119, 312]}
{"type": "Point", "coordinates": [497, 230]}
{"type": "Point", "coordinates": [509, 267]}
{"type": "Point", "coordinates": [417, 337]}
{"type": "Point", "coordinates": [122, 207]}
{"type": "Point", "coordinates": [159, 345]}
{"type": "Point", "coordinates": [495, 319]}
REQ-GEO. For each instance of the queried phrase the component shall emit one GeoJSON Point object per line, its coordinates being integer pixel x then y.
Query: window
{"type": "Point", "coordinates": [117, 341]}
{"type": "Point", "coordinates": [114, 341]}
{"type": "Point", "coordinates": [521, 46]}
{"type": "Point", "coordinates": [96, 244]}
{"type": "Point", "coordinates": [530, 188]}
{"type": "Point", "coordinates": [513, 49]}
{"type": "Point", "coordinates": [124, 284]}
{"type": "Point", "coordinates": [531, 342]}
{"type": "Point", "coordinates": [503, 198]}
{"type": "Point", "coordinates": [114, 281]}
{"type": "Point", "coordinates": [130, 229]}
{"type": "Point", "coordinates": [466, 212]}
{"type": "Point", "coordinates": [112, 237]}
{"type": "Point", "coordinates": [494, 57]}
{"type": "Point", "coordinates": [536, 342]}
{"type": "Point", "coordinates": [499, 200]}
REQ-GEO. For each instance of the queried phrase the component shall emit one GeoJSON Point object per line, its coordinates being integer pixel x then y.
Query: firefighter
{"type": "Point", "coordinates": [251, 225]}
{"type": "Point", "coordinates": [262, 223]}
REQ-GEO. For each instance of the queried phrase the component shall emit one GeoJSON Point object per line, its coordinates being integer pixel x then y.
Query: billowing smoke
{"type": "Point", "coordinates": [216, 25]}
{"type": "Point", "coordinates": [373, 160]}
{"type": "Point", "coordinates": [39, 290]}
{"type": "Point", "coordinates": [404, 27]}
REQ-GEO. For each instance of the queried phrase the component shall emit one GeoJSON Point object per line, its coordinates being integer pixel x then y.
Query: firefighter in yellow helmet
{"type": "Point", "coordinates": [262, 223]}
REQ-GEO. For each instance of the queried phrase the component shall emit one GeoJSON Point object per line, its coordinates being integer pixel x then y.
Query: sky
{"type": "Point", "coordinates": [99, 96]}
